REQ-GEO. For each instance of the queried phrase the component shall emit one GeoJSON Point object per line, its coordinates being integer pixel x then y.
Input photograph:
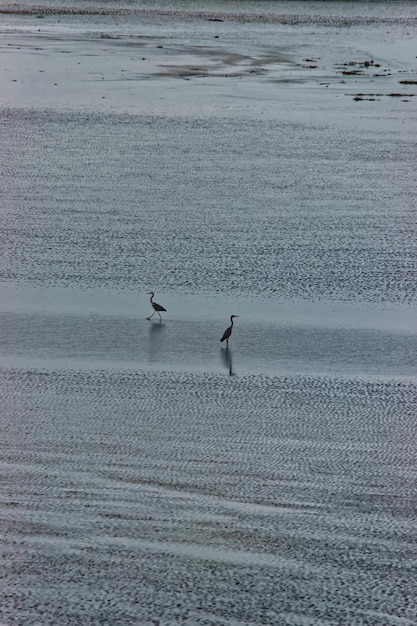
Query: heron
{"type": "Point", "coordinates": [157, 308]}
{"type": "Point", "coordinates": [228, 331]}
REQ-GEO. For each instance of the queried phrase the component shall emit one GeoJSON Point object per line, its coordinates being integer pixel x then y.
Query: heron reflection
{"type": "Point", "coordinates": [156, 331]}
{"type": "Point", "coordinates": [156, 327]}
{"type": "Point", "coordinates": [227, 359]}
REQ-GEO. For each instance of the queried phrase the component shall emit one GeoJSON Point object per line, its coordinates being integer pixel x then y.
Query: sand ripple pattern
{"type": "Point", "coordinates": [105, 200]}
{"type": "Point", "coordinates": [288, 13]}
{"type": "Point", "coordinates": [289, 498]}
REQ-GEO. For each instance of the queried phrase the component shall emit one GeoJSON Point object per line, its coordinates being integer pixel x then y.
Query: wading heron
{"type": "Point", "coordinates": [228, 331]}
{"type": "Point", "coordinates": [157, 308]}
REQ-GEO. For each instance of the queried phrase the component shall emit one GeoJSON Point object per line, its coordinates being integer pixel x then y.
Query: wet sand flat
{"type": "Point", "coordinates": [135, 496]}
{"type": "Point", "coordinates": [235, 158]}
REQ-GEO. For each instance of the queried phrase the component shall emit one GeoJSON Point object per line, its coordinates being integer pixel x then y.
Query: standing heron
{"type": "Point", "coordinates": [157, 308]}
{"type": "Point", "coordinates": [228, 331]}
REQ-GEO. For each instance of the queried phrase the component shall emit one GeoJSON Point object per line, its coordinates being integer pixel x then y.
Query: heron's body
{"type": "Point", "coordinates": [228, 331]}
{"type": "Point", "coordinates": [157, 308]}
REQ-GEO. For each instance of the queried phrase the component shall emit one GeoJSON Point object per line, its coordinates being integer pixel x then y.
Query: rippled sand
{"type": "Point", "coordinates": [238, 159]}
{"type": "Point", "coordinates": [199, 498]}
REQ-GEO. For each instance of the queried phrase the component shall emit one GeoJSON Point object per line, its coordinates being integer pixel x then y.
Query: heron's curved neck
{"type": "Point", "coordinates": [231, 319]}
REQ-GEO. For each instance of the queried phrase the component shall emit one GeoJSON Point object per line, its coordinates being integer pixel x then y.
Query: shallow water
{"type": "Point", "coordinates": [254, 166]}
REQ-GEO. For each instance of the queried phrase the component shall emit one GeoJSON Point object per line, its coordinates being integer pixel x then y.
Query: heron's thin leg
{"type": "Point", "coordinates": [148, 318]}
{"type": "Point", "coordinates": [160, 316]}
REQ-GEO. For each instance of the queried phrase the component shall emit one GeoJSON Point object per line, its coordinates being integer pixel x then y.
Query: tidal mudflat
{"type": "Point", "coordinates": [241, 158]}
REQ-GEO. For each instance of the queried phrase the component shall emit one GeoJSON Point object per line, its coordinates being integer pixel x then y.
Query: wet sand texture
{"type": "Point", "coordinates": [235, 158]}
